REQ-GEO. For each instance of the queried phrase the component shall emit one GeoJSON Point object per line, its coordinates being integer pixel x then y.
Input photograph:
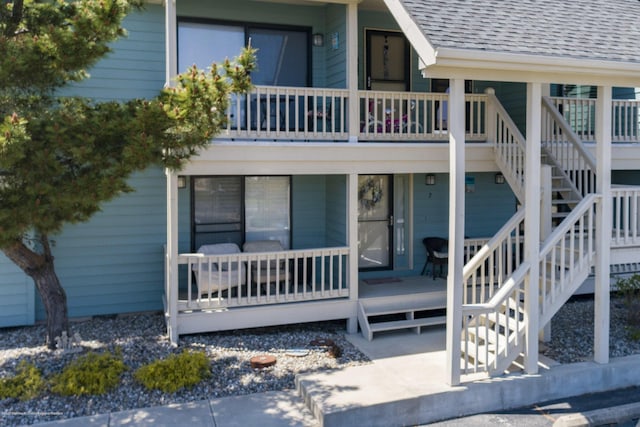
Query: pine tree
{"type": "Point", "coordinates": [61, 158]}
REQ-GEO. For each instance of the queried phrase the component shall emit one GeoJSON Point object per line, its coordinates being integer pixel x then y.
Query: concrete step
{"type": "Point", "coordinates": [407, 324]}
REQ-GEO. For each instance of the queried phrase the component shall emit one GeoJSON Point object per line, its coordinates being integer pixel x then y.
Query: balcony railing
{"type": "Point", "coordinates": [318, 114]}
{"type": "Point", "coordinates": [259, 278]}
{"type": "Point", "coordinates": [580, 113]}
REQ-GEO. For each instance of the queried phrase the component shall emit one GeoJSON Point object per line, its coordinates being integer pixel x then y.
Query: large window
{"type": "Point", "coordinates": [240, 209]}
{"type": "Point", "coordinates": [283, 51]}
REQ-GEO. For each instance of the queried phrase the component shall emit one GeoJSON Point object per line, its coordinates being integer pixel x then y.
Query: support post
{"type": "Point", "coordinates": [491, 116]}
{"type": "Point", "coordinates": [171, 42]}
{"type": "Point", "coordinates": [456, 116]}
{"type": "Point", "coordinates": [604, 218]}
{"type": "Point", "coordinates": [532, 224]}
{"type": "Point", "coordinates": [352, 72]}
{"type": "Point", "coordinates": [546, 225]}
{"type": "Point", "coordinates": [352, 235]}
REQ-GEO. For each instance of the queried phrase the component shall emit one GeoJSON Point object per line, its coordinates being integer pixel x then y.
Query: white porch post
{"type": "Point", "coordinates": [352, 71]}
{"type": "Point", "coordinates": [352, 236]}
{"type": "Point", "coordinates": [545, 225]}
{"type": "Point", "coordinates": [532, 223]}
{"type": "Point", "coordinates": [603, 225]}
{"type": "Point", "coordinates": [456, 227]}
{"type": "Point", "coordinates": [171, 273]}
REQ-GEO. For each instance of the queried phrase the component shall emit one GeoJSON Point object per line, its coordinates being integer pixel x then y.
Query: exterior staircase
{"type": "Point", "coordinates": [493, 310]}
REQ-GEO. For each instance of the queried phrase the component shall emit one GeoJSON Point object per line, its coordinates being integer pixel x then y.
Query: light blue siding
{"type": "Point", "coordinates": [114, 262]}
{"type": "Point", "coordinates": [336, 59]}
{"type": "Point", "coordinates": [513, 96]}
{"type": "Point", "coordinates": [336, 210]}
{"type": "Point", "coordinates": [308, 211]}
{"type": "Point", "coordinates": [486, 209]}
{"type": "Point", "coordinates": [16, 295]}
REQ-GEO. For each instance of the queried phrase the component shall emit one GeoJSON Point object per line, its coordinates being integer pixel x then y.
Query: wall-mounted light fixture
{"type": "Point", "coordinates": [429, 179]}
{"type": "Point", "coordinates": [182, 181]}
{"type": "Point", "coordinates": [318, 39]}
{"type": "Point", "coordinates": [499, 178]}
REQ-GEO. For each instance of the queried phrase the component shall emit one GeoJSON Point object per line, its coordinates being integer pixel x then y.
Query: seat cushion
{"type": "Point", "coordinates": [221, 249]}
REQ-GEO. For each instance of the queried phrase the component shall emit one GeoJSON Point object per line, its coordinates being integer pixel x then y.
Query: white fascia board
{"type": "Point", "coordinates": [412, 32]}
{"type": "Point", "coordinates": [536, 68]}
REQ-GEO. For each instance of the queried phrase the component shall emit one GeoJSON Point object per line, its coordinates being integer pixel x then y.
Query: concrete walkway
{"type": "Point", "coordinates": [405, 385]}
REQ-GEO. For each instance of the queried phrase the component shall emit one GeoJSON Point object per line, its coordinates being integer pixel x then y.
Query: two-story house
{"type": "Point", "coordinates": [508, 129]}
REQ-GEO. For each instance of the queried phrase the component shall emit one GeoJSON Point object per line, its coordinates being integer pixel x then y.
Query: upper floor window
{"type": "Point", "coordinates": [283, 51]}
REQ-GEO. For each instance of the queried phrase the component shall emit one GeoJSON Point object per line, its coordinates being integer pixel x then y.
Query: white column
{"type": "Point", "coordinates": [456, 116]}
{"type": "Point", "coordinates": [171, 275]}
{"type": "Point", "coordinates": [352, 236]}
{"type": "Point", "coordinates": [545, 225]}
{"type": "Point", "coordinates": [491, 116]}
{"type": "Point", "coordinates": [171, 41]}
{"type": "Point", "coordinates": [352, 71]}
{"type": "Point", "coordinates": [532, 223]}
{"type": "Point", "coordinates": [603, 225]}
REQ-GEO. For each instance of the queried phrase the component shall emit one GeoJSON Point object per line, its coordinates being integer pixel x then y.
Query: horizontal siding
{"type": "Point", "coordinates": [16, 295]}
{"type": "Point", "coordinates": [135, 68]}
{"type": "Point", "coordinates": [308, 211]}
{"type": "Point", "coordinates": [114, 262]}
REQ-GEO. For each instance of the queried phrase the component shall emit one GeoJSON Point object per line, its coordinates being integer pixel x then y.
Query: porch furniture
{"type": "Point", "coordinates": [215, 277]}
{"type": "Point", "coordinates": [437, 254]}
{"type": "Point", "coordinates": [266, 271]}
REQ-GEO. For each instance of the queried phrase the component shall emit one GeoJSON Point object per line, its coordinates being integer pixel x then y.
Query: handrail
{"type": "Point", "coordinates": [566, 129]}
{"type": "Point", "coordinates": [494, 262]}
{"type": "Point", "coordinates": [498, 298]}
{"type": "Point", "coordinates": [566, 225]}
{"type": "Point", "coordinates": [509, 147]}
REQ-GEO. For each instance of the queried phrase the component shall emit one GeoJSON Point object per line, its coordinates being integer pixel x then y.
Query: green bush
{"type": "Point", "coordinates": [175, 372]}
{"type": "Point", "coordinates": [26, 384]}
{"type": "Point", "coordinates": [629, 288]}
{"type": "Point", "coordinates": [92, 373]}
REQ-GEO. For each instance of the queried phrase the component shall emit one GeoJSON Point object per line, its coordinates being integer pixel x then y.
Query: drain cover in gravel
{"type": "Point", "coordinates": [262, 361]}
{"type": "Point", "coordinates": [297, 352]}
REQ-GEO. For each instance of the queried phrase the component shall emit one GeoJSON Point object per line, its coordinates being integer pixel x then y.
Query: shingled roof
{"type": "Point", "coordinates": [607, 30]}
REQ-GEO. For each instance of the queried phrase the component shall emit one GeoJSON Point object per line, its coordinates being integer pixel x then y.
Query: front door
{"type": "Point", "coordinates": [387, 64]}
{"type": "Point", "coordinates": [375, 222]}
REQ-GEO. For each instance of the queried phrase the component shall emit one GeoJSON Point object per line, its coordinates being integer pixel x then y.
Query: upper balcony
{"type": "Point", "coordinates": [319, 115]}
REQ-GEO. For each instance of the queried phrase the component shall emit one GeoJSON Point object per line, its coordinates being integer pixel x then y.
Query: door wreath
{"type": "Point", "coordinates": [370, 193]}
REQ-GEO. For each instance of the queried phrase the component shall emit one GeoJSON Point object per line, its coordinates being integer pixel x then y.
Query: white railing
{"type": "Point", "coordinates": [566, 257]}
{"type": "Point", "coordinates": [493, 331]}
{"type": "Point", "coordinates": [626, 216]}
{"type": "Point", "coordinates": [494, 262]}
{"type": "Point", "coordinates": [258, 278]}
{"type": "Point", "coordinates": [276, 112]}
{"type": "Point", "coordinates": [407, 116]}
{"type": "Point", "coordinates": [580, 114]}
{"type": "Point", "coordinates": [565, 147]}
{"type": "Point", "coordinates": [509, 146]}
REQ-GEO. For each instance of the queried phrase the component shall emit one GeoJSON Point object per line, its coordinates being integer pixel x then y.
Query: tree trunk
{"type": "Point", "coordinates": [41, 269]}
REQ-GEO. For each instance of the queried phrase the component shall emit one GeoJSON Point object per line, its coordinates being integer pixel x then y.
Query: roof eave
{"type": "Point", "coordinates": [476, 64]}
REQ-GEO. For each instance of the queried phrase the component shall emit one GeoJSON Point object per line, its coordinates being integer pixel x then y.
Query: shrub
{"type": "Point", "coordinates": [26, 384]}
{"type": "Point", "coordinates": [92, 373]}
{"type": "Point", "coordinates": [629, 288]}
{"type": "Point", "coordinates": [175, 372]}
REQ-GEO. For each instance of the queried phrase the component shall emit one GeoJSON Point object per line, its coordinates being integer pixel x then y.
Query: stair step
{"type": "Point", "coordinates": [564, 201]}
{"type": "Point", "coordinates": [405, 306]}
{"type": "Point", "coordinates": [483, 354]}
{"type": "Point", "coordinates": [408, 323]}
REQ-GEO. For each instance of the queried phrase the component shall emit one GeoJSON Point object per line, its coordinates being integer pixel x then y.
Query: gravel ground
{"type": "Point", "coordinates": [142, 339]}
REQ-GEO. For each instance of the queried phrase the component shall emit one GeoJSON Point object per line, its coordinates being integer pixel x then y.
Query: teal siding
{"type": "Point", "coordinates": [336, 59]}
{"type": "Point", "coordinates": [114, 262]}
{"type": "Point", "coordinates": [513, 96]}
{"type": "Point", "coordinates": [16, 295]}
{"type": "Point", "coordinates": [308, 211]}
{"type": "Point", "coordinates": [135, 68]}
{"type": "Point", "coordinates": [486, 210]}
{"type": "Point", "coordinates": [336, 210]}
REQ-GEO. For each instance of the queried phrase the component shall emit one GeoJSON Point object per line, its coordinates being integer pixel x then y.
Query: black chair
{"type": "Point", "coordinates": [437, 254]}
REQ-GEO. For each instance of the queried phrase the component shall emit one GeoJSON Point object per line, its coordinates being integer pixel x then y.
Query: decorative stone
{"type": "Point", "coordinates": [262, 361]}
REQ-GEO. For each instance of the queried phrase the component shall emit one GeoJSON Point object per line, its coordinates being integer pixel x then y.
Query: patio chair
{"type": "Point", "coordinates": [437, 254]}
{"type": "Point", "coordinates": [222, 275]}
{"type": "Point", "coordinates": [266, 271]}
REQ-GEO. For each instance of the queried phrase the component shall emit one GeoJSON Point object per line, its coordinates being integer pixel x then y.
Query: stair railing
{"type": "Point", "coordinates": [565, 146]}
{"type": "Point", "coordinates": [493, 331]}
{"type": "Point", "coordinates": [494, 262]}
{"type": "Point", "coordinates": [566, 257]}
{"type": "Point", "coordinates": [509, 145]}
